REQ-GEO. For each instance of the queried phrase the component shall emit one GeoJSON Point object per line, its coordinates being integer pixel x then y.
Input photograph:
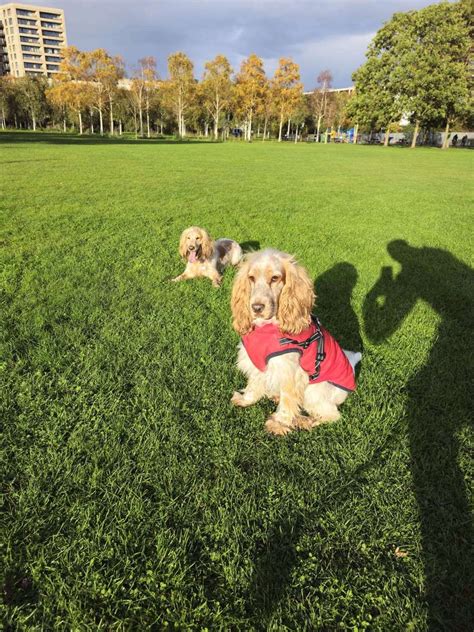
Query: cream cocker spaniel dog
{"type": "Point", "coordinates": [285, 352]}
{"type": "Point", "coordinates": [204, 257]}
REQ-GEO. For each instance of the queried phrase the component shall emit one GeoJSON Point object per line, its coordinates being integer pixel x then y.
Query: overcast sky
{"type": "Point", "coordinates": [317, 34]}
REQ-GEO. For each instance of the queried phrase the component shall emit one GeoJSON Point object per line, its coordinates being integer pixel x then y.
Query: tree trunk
{"type": "Point", "coordinates": [148, 119]}
{"type": "Point", "coordinates": [415, 134]}
{"type": "Point", "coordinates": [33, 118]}
{"type": "Point", "coordinates": [288, 128]}
{"type": "Point", "coordinates": [326, 137]}
{"type": "Point", "coordinates": [64, 125]}
{"type": "Point", "coordinates": [161, 128]}
{"type": "Point", "coordinates": [111, 116]}
{"type": "Point", "coordinates": [258, 131]}
{"type": "Point", "coordinates": [101, 122]}
{"type": "Point", "coordinates": [387, 136]}
{"type": "Point", "coordinates": [318, 128]}
{"type": "Point", "coordinates": [216, 128]}
{"type": "Point", "coordinates": [296, 134]}
{"type": "Point", "coordinates": [206, 129]}
{"type": "Point", "coordinates": [16, 122]}
{"type": "Point", "coordinates": [141, 120]}
{"type": "Point", "coordinates": [249, 130]}
{"type": "Point", "coordinates": [135, 123]}
{"type": "Point", "coordinates": [356, 129]}
{"type": "Point", "coordinates": [91, 116]}
{"type": "Point", "coordinates": [445, 144]}
{"type": "Point", "coordinates": [265, 128]}
{"type": "Point", "coordinates": [3, 118]}
{"type": "Point", "coordinates": [120, 127]}
{"type": "Point", "coordinates": [280, 128]}
{"type": "Point", "coordinates": [80, 122]}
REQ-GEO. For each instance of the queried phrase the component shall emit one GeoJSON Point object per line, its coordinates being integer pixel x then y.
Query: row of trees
{"type": "Point", "coordinates": [90, 90]}
{"type": "Point", "coordinates": [418, 66]}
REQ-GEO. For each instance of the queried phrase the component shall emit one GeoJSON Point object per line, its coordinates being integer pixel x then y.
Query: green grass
{"type": "Point", "coordinates": [133, 495]}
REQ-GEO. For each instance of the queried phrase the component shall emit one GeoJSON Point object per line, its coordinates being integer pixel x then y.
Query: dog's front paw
{"type": "Point", "coordinates": [273, 426]}
{"type": "Point", "coordinates": [239, 399]}
{"type": "Point", "coordinates": [303, 422]}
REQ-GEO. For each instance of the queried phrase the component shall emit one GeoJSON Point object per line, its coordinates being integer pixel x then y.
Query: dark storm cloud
{"type": "Point", "coordinates": [317, 34]}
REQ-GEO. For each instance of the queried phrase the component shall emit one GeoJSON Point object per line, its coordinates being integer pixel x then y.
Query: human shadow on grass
{"type": "Point", "coordinates": [277, 555]}
{"type": "Point", "coordinates": [86, 139]}
{"type": "Point", "coordinates": [439, 408]}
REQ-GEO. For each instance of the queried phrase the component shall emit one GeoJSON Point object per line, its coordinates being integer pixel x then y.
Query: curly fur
{"type": "Point", "coordinates": [205, 257]}
{"type": "Point", "coordinates": [281, 291]}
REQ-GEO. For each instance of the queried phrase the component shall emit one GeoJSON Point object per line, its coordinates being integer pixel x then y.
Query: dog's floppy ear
{"type": "Point", "coordinates": [296, 299]}
{"type": "Point", "coordinates": [183, 250]}
{"type": "Point", "coordinates": [207, 247]}
{"type": "Point", "coordinates": [240, 301]}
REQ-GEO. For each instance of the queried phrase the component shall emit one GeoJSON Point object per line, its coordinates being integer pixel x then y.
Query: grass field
{"type": "Point", "coordinates": [134, 496]}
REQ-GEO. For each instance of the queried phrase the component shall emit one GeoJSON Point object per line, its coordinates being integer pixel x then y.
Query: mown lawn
{"type": "Point", "coordinates": [134, 496]}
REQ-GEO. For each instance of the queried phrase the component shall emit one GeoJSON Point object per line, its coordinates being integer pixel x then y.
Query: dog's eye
{"type": "Point", "coordinates": [251, 279]}
{"type": "Point", "coordinates": [275, 278]}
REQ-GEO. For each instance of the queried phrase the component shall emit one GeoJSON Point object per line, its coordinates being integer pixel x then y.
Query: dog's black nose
{"type": "Point", "coordinates": [258, 307]}
{"type": "Point", "coordinates": [191, 247]}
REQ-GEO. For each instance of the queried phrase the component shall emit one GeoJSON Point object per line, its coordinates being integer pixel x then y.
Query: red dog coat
{"type": "Point", "coordinates": [320, 355]}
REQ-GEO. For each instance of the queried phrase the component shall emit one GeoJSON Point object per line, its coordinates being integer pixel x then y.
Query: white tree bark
{"type": "Point", "coordinates": [415, 134]}
{"type": "Point", "coordinates": [111, 116]}
{"type": "Point", "coordinates": [80, 122]}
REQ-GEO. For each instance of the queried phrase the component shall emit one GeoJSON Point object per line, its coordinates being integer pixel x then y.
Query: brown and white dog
{"type": "Point", "coordinates": [272, 298]}
{"type": "Point", "coordinates": [204, 257]}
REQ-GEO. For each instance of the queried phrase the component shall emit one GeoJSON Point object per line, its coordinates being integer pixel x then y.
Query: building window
{"type": "Point", "coordinates": [29, 31]}
{"type": "Point", "coordinates": [30, 56]}
{"type": "Point", "coordinates": [23, 12]}
{"type": "Point", "coordinates": [29, 40]}
{"type": "Point", "coordinates": [53, 42]}
{"type": "Point", "coordinates": [49, 16]}
{"type": "Point", "coordinates": [32, 66]}
{"type": "Point", "coordinates": [54, 51]}
{"type": "Point", "coordinates": [50, 25]}
{"type": "Point", "coordinates": [51, 33]}
{"type": "Point", "coordinates": [56, 60]}
{"type": "Point", "coordinates": [52, 67]}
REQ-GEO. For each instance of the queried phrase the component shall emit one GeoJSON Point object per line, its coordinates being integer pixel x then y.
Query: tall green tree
{"type": "Point", "coordinates": [417, 66]}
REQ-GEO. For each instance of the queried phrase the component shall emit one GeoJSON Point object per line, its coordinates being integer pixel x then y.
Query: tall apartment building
{"type": "Point", "coordinates": [31, 39]}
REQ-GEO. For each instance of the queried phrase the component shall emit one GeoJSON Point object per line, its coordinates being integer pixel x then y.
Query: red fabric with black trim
{"type": "Point", "coordinates": [264, 342]}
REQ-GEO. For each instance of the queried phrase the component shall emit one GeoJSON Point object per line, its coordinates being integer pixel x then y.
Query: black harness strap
{"type": "Point", "coordinates": [316, 337]}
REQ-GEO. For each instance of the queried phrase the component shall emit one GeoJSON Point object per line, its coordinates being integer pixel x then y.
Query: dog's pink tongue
{"type": "Point", "coordinates": [192, 256]}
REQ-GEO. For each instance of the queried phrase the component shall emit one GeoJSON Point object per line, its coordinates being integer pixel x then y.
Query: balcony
{"type": "Point", "coordinates": [52, 33]}
{"type": "Point", "coordinates": [49, 42]}
{"type": "Point", "coordinates": [51, 25]}
{"type": "Point", "coordinates": [30, 66]}
{"type": "Point", "coordinates": [50, 16]}
{"type": "Point", "coordinates": [29, 40]}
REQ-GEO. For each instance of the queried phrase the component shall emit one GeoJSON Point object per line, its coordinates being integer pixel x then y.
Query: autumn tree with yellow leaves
{"type": "Point", "coordinates": [286, 90]}
{"type": "Point", "coordinates": [251, 86]}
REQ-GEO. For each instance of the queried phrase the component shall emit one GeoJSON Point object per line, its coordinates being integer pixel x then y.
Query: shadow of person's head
{"type": "Point", "coordinates": [334, 290]}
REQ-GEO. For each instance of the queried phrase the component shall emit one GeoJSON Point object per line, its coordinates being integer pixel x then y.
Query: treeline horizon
{"type": "Point", "coordinates": [417, 67]}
